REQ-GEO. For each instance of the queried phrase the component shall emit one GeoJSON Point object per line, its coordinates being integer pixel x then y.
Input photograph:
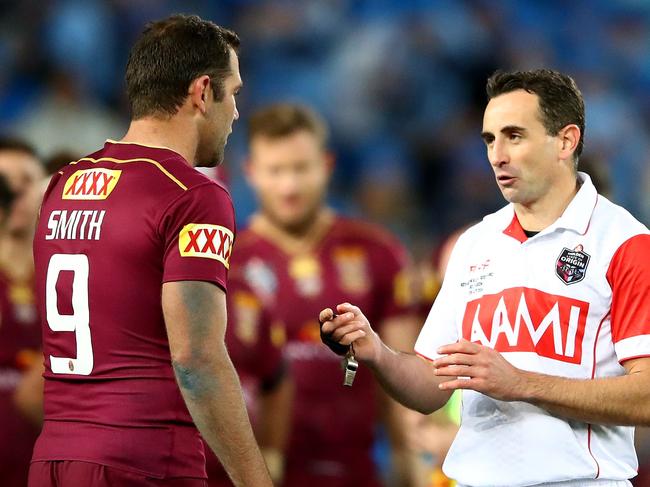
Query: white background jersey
{"type": "Point", "coordinates": [571, 301]}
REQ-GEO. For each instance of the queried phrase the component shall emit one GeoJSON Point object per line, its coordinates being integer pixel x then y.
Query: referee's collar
{"type": "Point", "coordinates": [576, 216]}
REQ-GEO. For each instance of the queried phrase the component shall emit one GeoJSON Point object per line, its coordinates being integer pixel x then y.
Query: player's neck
{"type": "Point", "coordinates": [292, 240]}
{"type": "Point", "coordinates": [169, 133]}
{"type": "Point", "coordinates": [545, 211]}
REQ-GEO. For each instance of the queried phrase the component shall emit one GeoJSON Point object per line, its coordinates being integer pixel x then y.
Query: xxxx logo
{"type": "Point", "coordinates": [205, 240]}
{"type": "Point", "coordinates": [90, 184]}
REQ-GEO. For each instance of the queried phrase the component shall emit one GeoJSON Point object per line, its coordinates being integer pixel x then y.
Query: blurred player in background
{"type": "Point", "coordinates": [131, 254]}
{"type": "Point", "coordinates": [254, 342]}
{"type": "Point", "coordinates": [20, 333]}
{"type": "Point", "coordinates": [298, 255]}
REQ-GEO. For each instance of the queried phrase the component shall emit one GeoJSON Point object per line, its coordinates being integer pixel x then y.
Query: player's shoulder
{"type": "Point", "coordinates": [355, 230]}
{"type": "Point", "coordinates": [161, 167]}
{"type": "Point", "coordinates": [248, 243]}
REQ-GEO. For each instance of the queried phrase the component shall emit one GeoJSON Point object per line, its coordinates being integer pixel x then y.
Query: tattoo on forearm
{"type": "Point", "coordinates": [195, 382]}
{"type": "Point", "coordinates": [198, 382]}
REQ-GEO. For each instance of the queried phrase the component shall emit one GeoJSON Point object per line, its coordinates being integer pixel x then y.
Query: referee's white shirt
{"type": "Point", "coordinates": [572, 301]}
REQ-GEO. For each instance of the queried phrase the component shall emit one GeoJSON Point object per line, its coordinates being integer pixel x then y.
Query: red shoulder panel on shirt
{"type": "Point", "coordinates": [629, 277]}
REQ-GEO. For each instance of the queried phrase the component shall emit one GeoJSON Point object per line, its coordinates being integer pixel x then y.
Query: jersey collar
{"type": "Point", "coordinates": [576, 216]}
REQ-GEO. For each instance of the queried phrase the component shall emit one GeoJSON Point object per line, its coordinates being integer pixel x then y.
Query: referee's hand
{"type": "Point", "coordinates": [350, 327]}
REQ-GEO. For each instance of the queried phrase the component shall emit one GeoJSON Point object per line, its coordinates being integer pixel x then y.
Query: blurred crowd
{"type": "Point", "coordinates": [401, 83]}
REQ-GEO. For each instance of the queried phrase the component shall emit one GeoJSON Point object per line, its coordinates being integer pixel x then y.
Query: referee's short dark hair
{"type": "Point", "coordinates": [560, 100]}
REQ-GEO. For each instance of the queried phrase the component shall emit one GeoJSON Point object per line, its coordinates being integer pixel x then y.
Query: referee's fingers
{"type": "Point", "coordinates": [349, 308]}
{"type": "Point", "coordinates": [326, 315]}
{"type": "Point", "coordinates": [352, 337]}
{"type": "Point", "coordinates": [343, 330]}
{"type": "Point", "coordinates": [336, 321]}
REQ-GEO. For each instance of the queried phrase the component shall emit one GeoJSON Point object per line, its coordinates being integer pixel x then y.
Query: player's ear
{"type": "Point", "coordinates": [330, 162]}
{"type": "Point", "coordinates": [199, 91]}
{"type": "Point", "coordinates": [248, 171]}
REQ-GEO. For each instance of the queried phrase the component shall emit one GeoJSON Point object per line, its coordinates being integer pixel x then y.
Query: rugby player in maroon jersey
{"type": "Point", "coordinates": [298, 255]}
{"type": "Point", "coordinates": [20, 333]}
{"type": "Point", "coordinates": [131, 253]}
{"type": "Point", "coordinates": [254, 340]}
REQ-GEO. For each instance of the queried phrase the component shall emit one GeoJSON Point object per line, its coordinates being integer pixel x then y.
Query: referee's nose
{"type": "Point", "coordinates": [498, 153]}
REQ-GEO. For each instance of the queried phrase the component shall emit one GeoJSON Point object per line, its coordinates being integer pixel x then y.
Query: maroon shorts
{"type": "Point", "coordinates": [71, 473]}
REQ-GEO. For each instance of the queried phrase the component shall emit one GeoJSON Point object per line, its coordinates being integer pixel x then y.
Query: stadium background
{"type": "Point", "coordinates": [401, 83]}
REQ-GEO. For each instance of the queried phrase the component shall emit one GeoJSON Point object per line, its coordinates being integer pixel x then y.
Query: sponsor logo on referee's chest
{"type": "Point", "coordinates": [206, 240]}
{"type": "Point", "coordinates": [528, 320]}
{"type": "Point", "coordinates": [91, 184]}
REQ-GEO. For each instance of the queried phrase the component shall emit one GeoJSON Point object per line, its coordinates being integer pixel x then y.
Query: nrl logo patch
{"type": "Point", "coordinates": [571, 265]}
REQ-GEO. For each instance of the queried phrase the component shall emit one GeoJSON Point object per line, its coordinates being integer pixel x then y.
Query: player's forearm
{"type": "Point", "coordinates": [213, 396]}
{"type": "Point", "coordinates": [28, 396]}
{"type": "Point", "coordinates": [275, 416]}
{"type": "Point", "coordinates": [274, 426]}
{"type": "Point", "coordinates": [623, 400]}
{"type": "Point", "coordinates": [409, 380]}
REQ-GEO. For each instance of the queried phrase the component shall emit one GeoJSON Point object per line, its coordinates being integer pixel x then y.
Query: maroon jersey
{"type": "Point", "coordinates": [332, 427]}
{"type": "Point", "coordinates": [113, 228]}
{"type": "Point", "coordinates": [253, 342]}
{"type": "Point", "coordinates": [20, 343]}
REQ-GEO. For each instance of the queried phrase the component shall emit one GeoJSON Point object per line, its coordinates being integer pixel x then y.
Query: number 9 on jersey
{"type": "Point", "coordinates": [78, 321]}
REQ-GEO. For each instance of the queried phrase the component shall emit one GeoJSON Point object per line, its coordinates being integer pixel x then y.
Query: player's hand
{"type": "Point", "coordinates": [351, 327]}
{"type": "Point", "coordinates": [481, 369]}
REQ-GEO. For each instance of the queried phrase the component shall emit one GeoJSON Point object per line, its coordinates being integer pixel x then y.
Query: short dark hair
{"type": "Point", "coordinates": [59, 159]}
{"type": "Point", "coordinates": [560, 100]}
{"type": "Point", "coordinates": [171, 53]}
{"type": "Point", "coordinates": [9, 143]}
{"type": "Point", "coordinates": [282, 119]}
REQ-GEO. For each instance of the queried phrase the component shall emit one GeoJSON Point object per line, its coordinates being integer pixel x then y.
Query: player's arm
{"type": "Point", "coordinates": [28, 396]}
{"type": "Point", "coordinates": [621, 400]}
{"type": "Point", "coordinates": [406, 377]}
{"type": "Point", "coordinates": [275, 403]}
{"type": "Point", "coordinates": [195, 316]}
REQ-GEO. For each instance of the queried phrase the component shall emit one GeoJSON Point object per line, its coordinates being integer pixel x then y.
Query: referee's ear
{"type": "Point", "coordinates": [569, 138]}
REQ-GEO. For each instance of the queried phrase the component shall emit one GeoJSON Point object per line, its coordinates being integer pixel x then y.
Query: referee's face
{"type": "Point", "coordinates": [526, 160]}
